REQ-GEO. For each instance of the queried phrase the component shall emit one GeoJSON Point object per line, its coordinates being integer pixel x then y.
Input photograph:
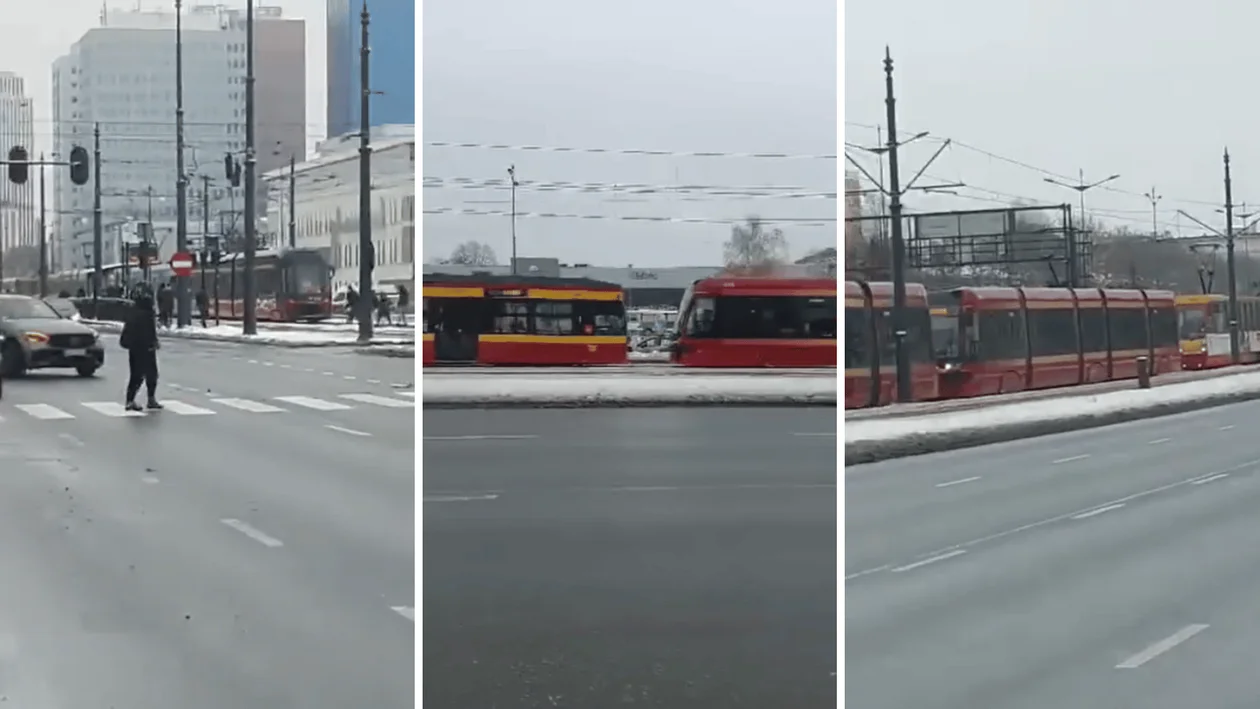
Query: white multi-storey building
{"type": "Point", "coordinates": [326, 197]}
{"type": "Point", "coordinates": [121, 76]}
{"type": "Point", "coordinates": [19, 231]}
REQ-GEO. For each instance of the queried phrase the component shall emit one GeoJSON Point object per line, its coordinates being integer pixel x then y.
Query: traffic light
{"type": "Point", "coordinates": [232, 170]}
{"type": "Point", "coordinates": [227, 166]}
{"type": "Point", "coordinates": [18, 169]}
{"type": "Point", "coordinates": [80, 166]}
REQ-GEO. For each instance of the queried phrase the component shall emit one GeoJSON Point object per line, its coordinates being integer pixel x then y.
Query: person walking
{"type": "Point", "coordinates": [139, 337]}
{"type": "Point", "coordinates": [166, 304]}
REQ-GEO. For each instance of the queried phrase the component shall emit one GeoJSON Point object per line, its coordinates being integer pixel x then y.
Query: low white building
{"type": "Point", "coordinates": [326, 197]}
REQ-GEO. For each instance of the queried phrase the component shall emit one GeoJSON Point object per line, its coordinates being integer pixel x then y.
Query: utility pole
{"type": "Point", "coordinates": [904, 385]}
{"type": "Point", "coordinates": [183, 310]}
{"type": "Point", "coordinates": [43, 234]}
{"type": "Point", "coordinates": [96, 217]}
{"type": "Point", "coordinates": [1154, 198]}
{"type": "Point", "coordinates": [367, 254]}
{"type": "Point", "coordinates": [1081, 188]}
{"type": "Point", "coordinates": [1234, 345]}
{"type": "Point", "coordinates": [292, 202]}
{"type": "Point", "coordinates": [512, 178]}
{"type": "Point", "coordinates": [205, 230]}
{"type": "Point", "coordinates": [250, 319]}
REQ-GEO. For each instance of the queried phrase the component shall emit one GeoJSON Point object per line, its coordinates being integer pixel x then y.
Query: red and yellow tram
{"type": "Point", "coordinates": [757, 322]}
{"type": "Point", "coordinates": [1003, 340]}
{"type": "Point", "coordinates": [1203, 324]}
{"type": "Point", "coordinates": [870, 363]}
{"type": "Point", "coordinates": [522, 321]}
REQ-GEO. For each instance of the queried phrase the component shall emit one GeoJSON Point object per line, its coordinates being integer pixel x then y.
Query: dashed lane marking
{"type": "Point", "coordinates": [343, 429]}
{"type": "Point", "coordinates": [1098, 511]}
{"type": "Point", "coordinates": [1069, 459]}
{"type": "Point", "coordinates": [961, 481]}
{"type": "Point", "coordinates": [379, 400]}
{"type": "Point", "coordinates": [1161, 647]}
{"type": "Point", "coordinates": [253, 533]}
{"type": "Point", "coordinates": [930, 560]}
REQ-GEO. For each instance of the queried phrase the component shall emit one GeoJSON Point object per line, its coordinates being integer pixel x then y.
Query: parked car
{"type": "Point", "coordinates": [37, 337]}
{"type": "Point", "coordinates": [65, 308]}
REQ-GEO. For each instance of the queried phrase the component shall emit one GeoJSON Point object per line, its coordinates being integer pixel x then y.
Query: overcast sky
{"type": "Point", "coordinates": [741, 76]}
{"type": "Point", "coordinates": [36, 33]}
{"type": "Point", "coordinates": [1150, 91]}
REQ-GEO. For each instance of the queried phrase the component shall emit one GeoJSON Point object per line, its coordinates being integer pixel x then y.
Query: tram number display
{"type": "Point", "coordinates": [505, 293]}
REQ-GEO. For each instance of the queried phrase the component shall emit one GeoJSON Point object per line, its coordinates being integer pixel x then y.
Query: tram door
{"type": "Point", "coordinates": [456, 324]}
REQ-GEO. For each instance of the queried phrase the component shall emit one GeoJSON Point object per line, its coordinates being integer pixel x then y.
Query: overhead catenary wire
{"type": "Point", "coordinates": [793, 221]}
{"type": "Point", "coordinates": [633, 189]}
{"type": "Point", "coordinates": [628, 151]}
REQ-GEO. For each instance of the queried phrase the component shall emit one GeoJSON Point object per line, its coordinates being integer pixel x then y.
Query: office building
{"type": "Point", "coordinates": [122, 75]}
{"type": "Point", "coordinates": [19, 232]}
{"type": "Point", "coordinates": [393, 63]}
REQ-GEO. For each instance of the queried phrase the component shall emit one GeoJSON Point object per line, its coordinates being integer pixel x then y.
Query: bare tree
{"type": "Point", "coordinates": [473, 253]}
{"type": "Point", "coordinates": [754, 248]}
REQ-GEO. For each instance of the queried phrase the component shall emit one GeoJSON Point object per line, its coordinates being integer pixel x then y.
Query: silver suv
{"type": "Point", "coordinates": [35, 336]}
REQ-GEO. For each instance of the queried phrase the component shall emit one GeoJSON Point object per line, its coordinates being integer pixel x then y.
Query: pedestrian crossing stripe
{"type": "Point", "coordinates": [113, 409]}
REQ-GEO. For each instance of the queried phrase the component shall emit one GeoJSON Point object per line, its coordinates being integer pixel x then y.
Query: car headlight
{"type": "Point", "coordinates": [36, 338]}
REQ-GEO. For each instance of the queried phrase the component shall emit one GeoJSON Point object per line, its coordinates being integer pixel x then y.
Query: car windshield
{"type": "Point", "coordinates": [63, 307]}
{"type": "Point", "coordinates": [24, 308]}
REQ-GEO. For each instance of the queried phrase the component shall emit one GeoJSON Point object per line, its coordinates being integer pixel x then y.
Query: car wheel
{"type": "Point", "coordinates": [86, 370]}
{"type": "Point", "coordinates": [12, 361]}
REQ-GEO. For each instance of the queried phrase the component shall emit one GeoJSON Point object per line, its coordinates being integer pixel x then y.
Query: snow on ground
{"type": "Point", "coordinates": [645, 369]}
{"type": "Point", "coordinates": [627, 389]}
{"type": "Point", "coordinates": [1066, 407]}
{"type": "Point", "coordinates": [402, 351]}
{"type": "Point", "coordinates": [265, 336]}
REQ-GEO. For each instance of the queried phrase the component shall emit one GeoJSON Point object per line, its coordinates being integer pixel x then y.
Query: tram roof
{"type": "Point", "coordinates": [518, 280]}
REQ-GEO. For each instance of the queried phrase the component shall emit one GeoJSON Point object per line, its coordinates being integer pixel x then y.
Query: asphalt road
{"type": "Point", "coordinates": [228, 559]}
{"type": "Point", "coordinates": [665, 558]}
{"type": "Point", "coordinates": [1115, 567]}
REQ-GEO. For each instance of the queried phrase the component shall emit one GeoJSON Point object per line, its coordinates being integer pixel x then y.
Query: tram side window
{"type": "Point", "coordinates": [1052, 332]}
{"type": "Point", "coordinates": [760, 317]}
{"type": "Point", "coordinates": [1001, 336]}
{"type": "Point", "coordinates": [1093, 329]}
{"type": "Point", "coordinates": [857, 338]}
{"type": "Point", "coordinates": [1128, 329]}
{"type": "Point", "coordinates": [600, 317]}
{"type": "Point", "coordinates": [919, 334]}
{"type": "Point", "coordinates": [820, 318]}
{"type": "Point", "coordinates": [511, 317]}
{"type": "Point", "coordinates": [1164, 326]}
{"type": "Point", "coordinates": [267, 281]}
{"type": "Point", "coordinates": [552, 317]}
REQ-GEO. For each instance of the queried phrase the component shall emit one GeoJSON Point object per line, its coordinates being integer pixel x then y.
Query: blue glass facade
{"type": "Point", "coordinates": [393, 42]}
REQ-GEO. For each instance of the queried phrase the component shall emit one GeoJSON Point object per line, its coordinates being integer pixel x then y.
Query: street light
{"type": "Point", "coordinates": [1081, 188]}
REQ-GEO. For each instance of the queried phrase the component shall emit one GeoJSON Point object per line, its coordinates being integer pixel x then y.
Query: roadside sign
{"type": "Point", "coordinates": [182, 264]}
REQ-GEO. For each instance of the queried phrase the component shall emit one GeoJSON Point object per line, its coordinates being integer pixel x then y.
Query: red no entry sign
{"type": "Point", "coordinates": [182, 264]}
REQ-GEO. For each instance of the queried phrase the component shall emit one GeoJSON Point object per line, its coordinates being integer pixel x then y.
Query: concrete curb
{"type": "Point", "coordinates": [626, 402]}
{"type": "Point", "coordinates": [862, 452]}
{"type": "Point", "coordinates": [242, 339]}
{"type": "Point", "coordinates": [397, 351]}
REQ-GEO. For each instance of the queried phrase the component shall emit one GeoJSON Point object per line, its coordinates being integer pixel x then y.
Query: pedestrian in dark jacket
{"type": "Point", "coordinates": [139, 338]}
{"type": "Point", "coordinates": [166, 304]}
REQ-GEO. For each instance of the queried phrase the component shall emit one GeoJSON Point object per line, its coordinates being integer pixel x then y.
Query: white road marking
{"type": "Point", "coordinates": [459, 498]}
{"type": "Point", "coordinates": [1098, 511]}
{"type": "Point", "coordinates": [1157, 441]}
{"type": "Point", "coordinates": [1226, 428]}
{"type": "Point", "coordinates": [330, 374]}
{"type": "Point", "coordinates": [350, 431]}
{"type": "Point", "coordinates": [867, 572]}
{"type": "Point", "coordinates": [286, 366]}
{"type": "Point", "coordinates": [254, 407]}
{"type": "Point", "coordinates": [820, 435]}
{"type": "Point", "coordinates": [149, 480]}
{"type": "Point", "coordinates": [408, 394]}
{"type": "Point", "coordinates": [645, 488]}
{"type": "Point", "coordinates": [186, 409]}
{"type": "Point", "coordinates": [405, 611]}
{"type": "Point", "coordinates": [70, 439]}
{"type": "Point", "coordinates": [348, 378]}
{"type": "Point", "coordinates": [1162, 646]}
{"type": "Point", "coordinates": [373, 381]}
{"type": "Point", "coordinates": [313, 403]}
{"type": "Point", "coordinates": [111, 408]}
{"type": "Point", "coordinates": [380, 400]}
{"type": "Point", "coordinates": [487, 437]}
{"type": "Point", "coordinates": [930, 560]}
{"type": "Point", "coordinates": [962, 481]}
{"type": "Point", "coordinates": [253, 361]}
{"type": "Point", "coordinates": [1083, 456]}
{"type": "Point", "coordinates": [43, 411]}
{"type": "Point", "coordinates": [1210, 478]}
{"type": "Point", "coordinates": [258, 536]}
{"type": "Point", "coordinates": [269, 364]}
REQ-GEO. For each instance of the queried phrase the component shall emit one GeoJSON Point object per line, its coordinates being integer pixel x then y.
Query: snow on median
{"type": "Point", "coordinates": [265, 336]}
{"type": "Point", "coordinates": [612, 390]}
{"type": "Point", "coordinates": [1065, 408]}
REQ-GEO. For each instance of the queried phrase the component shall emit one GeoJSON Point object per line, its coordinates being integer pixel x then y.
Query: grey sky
{"type": "Point", "coordinates": [1152, 91]}
{"type": "Point", "coordinates": [699, 75]}
{"type": "Point", "coordinates": [36, 33]}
